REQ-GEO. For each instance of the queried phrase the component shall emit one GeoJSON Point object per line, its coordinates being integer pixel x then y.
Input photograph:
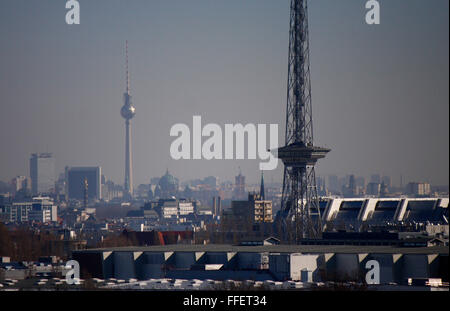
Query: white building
{"type": "Point", "coordinates": [185, 208]}
{"type": "Point", "coordinates": [419, 189]}
{"type": "Point", "coordinates": [40, 209]}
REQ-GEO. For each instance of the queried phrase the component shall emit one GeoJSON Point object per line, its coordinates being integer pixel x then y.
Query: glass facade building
{"type": "Point", "coordinates": [42, 173]}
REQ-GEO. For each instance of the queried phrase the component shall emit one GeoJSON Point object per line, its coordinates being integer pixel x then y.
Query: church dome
{"type": "Point", "coordinates": [168, 185]}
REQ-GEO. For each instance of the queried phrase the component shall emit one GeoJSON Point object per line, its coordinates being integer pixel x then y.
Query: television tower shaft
{"type": "Point", "coordinates": [128, 112]}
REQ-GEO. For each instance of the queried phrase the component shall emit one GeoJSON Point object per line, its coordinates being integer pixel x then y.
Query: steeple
{"type": "Point", "coordinates": [261, 191]}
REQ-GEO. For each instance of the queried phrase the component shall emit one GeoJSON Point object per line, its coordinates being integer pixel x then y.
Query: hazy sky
{"type": "Point", "coordinates": [380, 93]}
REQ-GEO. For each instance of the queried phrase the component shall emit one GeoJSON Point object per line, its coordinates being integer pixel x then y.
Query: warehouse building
{"type": "Point", "coordinates": [307, 263]}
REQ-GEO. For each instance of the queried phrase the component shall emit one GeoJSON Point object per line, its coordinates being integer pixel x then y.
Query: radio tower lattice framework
{"type": "Point", "coordinates": [299, 203]}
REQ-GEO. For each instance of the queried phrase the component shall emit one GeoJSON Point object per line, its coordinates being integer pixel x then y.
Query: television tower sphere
{"type": "Point", "coordinates": [128, 111]}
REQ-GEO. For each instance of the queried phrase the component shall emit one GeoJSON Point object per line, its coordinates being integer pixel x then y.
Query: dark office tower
{"type": "Point", "coordinates": [128, 112]}
{"type": "Point", "coordinates": [383, 189]}
{"type": "Point", "coordinates": [333, 183]}
{"type": "Point", "coordinates": [321, 187]}
{"type": "Point", "coordinates": [300, 202]}
{"type": "Point", "coordinates": [352, 185]}
{"type": "Point", "coordinates": [387, 181]}
{"type": "Point", "coordinates": [217, 208]}
{"type": "Point", "coordinates": [239, 187]}
{"type": "Point", "coordinates": [214, 207]}
{"type": "Point", "coordinates": [360, 182]}
{"type": "Point", "coordinates": [42, 173]}
{"type": "Point", "coordinates": [375, 178]}
{"type": "Point", "coordinates": [75, 183]}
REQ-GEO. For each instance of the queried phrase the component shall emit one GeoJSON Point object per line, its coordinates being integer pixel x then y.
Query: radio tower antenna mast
{"type": "Point", "coordinates": [300, 202]}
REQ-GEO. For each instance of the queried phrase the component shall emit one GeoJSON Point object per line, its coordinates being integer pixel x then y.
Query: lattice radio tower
{"type": "Point", "coordinates": [299, 205]}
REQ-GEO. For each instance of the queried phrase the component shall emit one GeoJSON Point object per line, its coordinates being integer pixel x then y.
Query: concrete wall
{"type": "Point", "coordinates": [216, 258]}
{"type": "Point", "coordinates": [290, 266]}
{"type": "Point", "coordinates": [279, 266]}
{"type": "Point", "coordinates": [300, 263]}
{"type": "Point", "coordinates": [415, 266]}
{"type": "Point", "coordinates": [124, 265]}
{"type": "Point", "coordinates": [282, 266]}
{"type": "Point", "coordinates": [184, 260]}
{"type": "Point", "coordinates": [108, 265]}
{"type": "Point", "coordinates": [250, 261]}
{"type": "Point", "coordinates": [347, 266]}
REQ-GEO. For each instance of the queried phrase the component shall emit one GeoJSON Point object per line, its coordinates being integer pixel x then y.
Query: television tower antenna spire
{"type": "Point", "coordinates": [128, 72]}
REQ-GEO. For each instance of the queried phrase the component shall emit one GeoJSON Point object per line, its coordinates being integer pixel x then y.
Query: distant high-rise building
{"type": "Point", "coordinates": [333, 183]}
{"type": "Point", "coordinates": [387, 181]}
{"type": "Point", "coordinates": [239, 187]}
{"type": "Point", "coordinates": [39, 209]}
{"type": "Point", "coordinates": [352, 184]}
{"type": "Point", "coordinates": [321, 187]}
{"type": "Point", "coordinates": [343, 182]}
{"type": "Point", "coordinates": [418, 189]}
{"type": "Point", "coordinates": [384, 190]}
{"type": "Point", "coordinates": [375, 178]}
{"type": "Point", "coordinates": [211, 181]}
{"type": "Point", "coordinates": [75, 183]}
{"type": "Point", "coordinates": [360, 182]}
{"type": "Point", "coordinates": [111, 191]}
{"type": "Point", "coordinates": [21, 183]}
{"type": "Point", "coordinates": [251, 211]}
{"type": "Point", "coordinates": [350, 189]}
{"type": "Point", "coordinates": [42, 173]}
{"type": "Point", "coordinates": [217, 207]}
{"type": "Point", "coordinates": [373, 188]}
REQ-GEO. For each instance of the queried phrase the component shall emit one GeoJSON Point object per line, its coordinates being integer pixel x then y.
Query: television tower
{"type": "Point", "coordinates": [128, 112]}
{"type": "Point", "coordinates": [85, 192]}
{"type": "Point", "coordinates": [300, 203]}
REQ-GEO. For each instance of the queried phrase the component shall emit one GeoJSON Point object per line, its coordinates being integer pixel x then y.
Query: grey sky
{"type": "Point", "coordinates": [380, 93]}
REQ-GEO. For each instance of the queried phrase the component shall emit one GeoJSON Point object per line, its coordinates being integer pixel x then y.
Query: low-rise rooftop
{"type": "Point", "coordinates": [351, 249]}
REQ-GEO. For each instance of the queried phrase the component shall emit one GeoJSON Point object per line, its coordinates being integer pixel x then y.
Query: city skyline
{"type": "Point", "coordinates": [194, 148]}
{"type": "Point", "coordinates": [66, 87]}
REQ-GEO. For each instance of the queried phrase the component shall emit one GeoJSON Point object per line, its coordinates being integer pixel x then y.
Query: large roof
{"type": "Point", "coordinates": [278, 249]}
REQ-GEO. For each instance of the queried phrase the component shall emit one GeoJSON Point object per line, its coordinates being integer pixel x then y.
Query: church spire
{"type": "Point", "coordinates": [261, 191]}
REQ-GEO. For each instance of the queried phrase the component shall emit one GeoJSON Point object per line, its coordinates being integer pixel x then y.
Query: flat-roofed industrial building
{"type": "Point", "coordinates": [310, 263]}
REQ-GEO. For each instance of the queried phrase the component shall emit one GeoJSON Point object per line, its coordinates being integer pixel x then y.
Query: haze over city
{"type": "Point", "coordinates": [380, 94]}
{"type": "Point", "coordinates": [224, 153]}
